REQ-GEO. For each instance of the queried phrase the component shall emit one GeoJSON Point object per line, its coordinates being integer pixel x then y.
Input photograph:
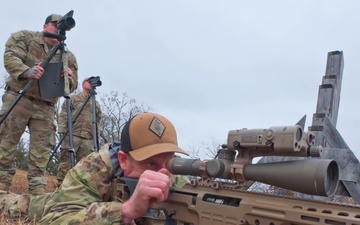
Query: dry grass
{"type": "Point", "coordinates": [20, 186]}
{"type": "Point", "coordinates": [20, 183]}
{"type": "Point", "coordinates": [4, 221]}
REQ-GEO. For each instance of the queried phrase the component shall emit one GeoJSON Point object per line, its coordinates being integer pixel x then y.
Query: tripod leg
{"type": "Point", "coordinates": [65, 162]}
{"type": "Point", "coordinates": [71, 138]}
{"type": "Point", "coordinates": [94, 122]}
{"type": "Point", "coordinates": [68, 107]}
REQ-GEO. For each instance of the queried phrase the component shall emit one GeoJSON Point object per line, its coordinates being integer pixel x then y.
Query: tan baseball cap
{"type": "Point", "coordinates": [52, 18]}
{"type": "Point", "coordinates": [147, 135]}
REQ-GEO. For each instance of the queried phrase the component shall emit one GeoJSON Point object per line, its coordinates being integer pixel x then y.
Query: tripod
{"type": "Point", "coordinates": [71, 121]}
{"type": "Point", "coordinates": [62, 62]}
{"type": "Point", "coordinates": [45, 63]}
{"type": "Point", "coordinates": [94, 121]}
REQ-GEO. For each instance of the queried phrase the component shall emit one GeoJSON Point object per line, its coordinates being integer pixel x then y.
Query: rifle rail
{"type": "Point", "coordinates": [204, 206]}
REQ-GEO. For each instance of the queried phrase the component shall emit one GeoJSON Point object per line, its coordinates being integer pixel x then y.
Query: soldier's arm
{"type": "Point", "coordinates": [85, 186]}
{"type": "Point", "coordinates": [15, 55]}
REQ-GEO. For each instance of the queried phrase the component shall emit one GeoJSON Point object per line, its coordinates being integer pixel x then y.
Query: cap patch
{"type": "Point", "coordinates": [157, 127]}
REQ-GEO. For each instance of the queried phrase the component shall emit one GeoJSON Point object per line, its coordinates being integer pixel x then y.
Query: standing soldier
{"type": "Point", "coordinates": [24, 52]}
{"type": "Point", "coordinates": [82, 129]}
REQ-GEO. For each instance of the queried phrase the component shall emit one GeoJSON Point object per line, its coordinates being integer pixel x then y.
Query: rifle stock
{"type": "Point", "coordinates": [202, 205]}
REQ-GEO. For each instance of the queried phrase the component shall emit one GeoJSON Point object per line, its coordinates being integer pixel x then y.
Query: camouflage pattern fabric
{"type": "Point", "coordinates": [14, 206]}
{"type": "Point", "coordinates": [24, 207]}
{"type": "Point", "coordinates": [80, 199]}
{"type": "Point", "coordinates": [82, 131]}
{"type": "Point", "coordinates": [40, 119]}
{"type": "Point", "coordinates": [84, 187]}
{"type": "Point", "coordinates": [84, 196]}
{"type": "Point", "coordinates": [83, 125]}
{"type": "Point", "coordinates": [22, 51]}
{"type": "Point", "coordinates": [179, 181]}
{"type": "Point", "coordinates": [82, 148]}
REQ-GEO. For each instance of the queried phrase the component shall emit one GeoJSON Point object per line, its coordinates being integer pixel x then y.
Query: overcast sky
{"type": "Point", "coordinates": [211, 66]}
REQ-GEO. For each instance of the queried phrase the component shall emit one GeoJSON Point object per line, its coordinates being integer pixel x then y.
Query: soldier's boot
{"type": "Point", "coordinates": [14, 206]}
{"type": "Point", "coordinates": [37, 191]}
{"type": "Point", "coordinates": [4, 187]}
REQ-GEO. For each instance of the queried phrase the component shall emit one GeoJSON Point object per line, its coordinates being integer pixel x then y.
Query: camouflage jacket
{"type": "Point", "coordinates": [22, 51]}
{"type": "Point", "coordinates": [83, 126]}
{"type": "Point", "coordinates": [86, 193]}
{"type": "Point", "coordinates": [22, 206]}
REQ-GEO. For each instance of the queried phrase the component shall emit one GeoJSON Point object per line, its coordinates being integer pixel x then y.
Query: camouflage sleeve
{"type": "Point", "coordinates": [14, 206]}
{"type": "Point", "coordinates": [74, 67]}
{"type": "Point", "coordinates": [15, 54]}
{"type": "Point", "coordinates": [179, 181]}
{"type": "Point", "coordinates": [86, 184]}
{"type": "Point", "coordinates": [62, 127]}
{"type": "Point", "coordinates": [22, 206]}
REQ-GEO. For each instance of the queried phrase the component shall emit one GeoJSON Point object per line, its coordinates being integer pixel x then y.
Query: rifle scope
{"type": "Point", "coordinates": [309, 176]}
{"type": "Point", "coordinates": [281, 138]}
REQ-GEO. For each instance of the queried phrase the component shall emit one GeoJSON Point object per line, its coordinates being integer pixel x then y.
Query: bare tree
{"type": "Point", "coordinates": [117, 108]}
{"type": "Point", "coordinates": [3, 79]}
{"type": "Point", "coordinates": [205, 149]}
{"type": "Point", "coordinates": [21, 156]}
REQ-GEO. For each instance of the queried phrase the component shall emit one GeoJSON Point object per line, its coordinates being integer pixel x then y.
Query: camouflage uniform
{"type": "Point", "coordinates": [82, 131]}
{"type": "Point", "coordinates": [22, 50]}
{"type": "Point", "coordinates": [22, 206]}
{"type": "Point", "coordinates": [84, 196]}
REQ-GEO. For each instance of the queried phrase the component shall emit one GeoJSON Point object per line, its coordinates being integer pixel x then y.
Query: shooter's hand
{"type": "Point", "coordinates": [70, 73]}
{"type": "Point", "coordinates": [34, 72]}
{"type": "Point", "coordinates": [152, 187]}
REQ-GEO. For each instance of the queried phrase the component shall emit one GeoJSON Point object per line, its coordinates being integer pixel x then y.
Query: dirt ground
{"type": "Point", "coordinates": [20, 183]}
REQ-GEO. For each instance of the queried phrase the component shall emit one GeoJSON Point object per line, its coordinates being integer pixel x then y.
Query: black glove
{"type": "Point", "coordinates": [30, 73]}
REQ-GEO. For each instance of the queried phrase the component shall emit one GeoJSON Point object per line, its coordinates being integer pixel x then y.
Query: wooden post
{"type": "Point", "coordinates": [329, 96]}
{"type": "Point", "coordinates": [324, 128]}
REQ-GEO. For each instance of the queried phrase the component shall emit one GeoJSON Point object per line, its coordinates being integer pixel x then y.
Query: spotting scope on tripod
{"type": "Point", "coordinates": [65, 23]}
{"type": "Point", "coordinates": [94, 83]}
